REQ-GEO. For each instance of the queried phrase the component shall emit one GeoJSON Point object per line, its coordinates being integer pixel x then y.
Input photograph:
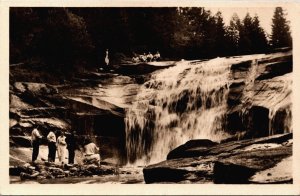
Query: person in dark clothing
{"type": "Point", "coordinates": [35, 141]}
{"type": "Point", "coordinates": [71, 146]}
{"type": "Point", "coordinates": [51, 137]}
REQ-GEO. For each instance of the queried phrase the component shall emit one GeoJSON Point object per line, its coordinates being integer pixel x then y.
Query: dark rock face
{"type": "Point", "coordinates": [260, 121]}
{"type": "Point", "coordinates": [228, 173]}
{"type": "Point", "coordinates": [243, 66]}
{"type": "Point", "coordinates": [164, 175]}
{"type": "Point", "coordinates": [230, 162]}
{"type": "Point", "coordinates": [235, 122]}
{"type": "Point", "coordinates": [235, 93]}
{"type": "Point", "coordinates": [280, 67]}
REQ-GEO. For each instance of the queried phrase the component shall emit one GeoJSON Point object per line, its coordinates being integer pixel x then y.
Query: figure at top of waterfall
{"type": "Point", "coordinates": [156, 56]}
{"type": "Point", "coordinates": [106, 58]}
{"type": "Point", "coordinates": [149, 57]}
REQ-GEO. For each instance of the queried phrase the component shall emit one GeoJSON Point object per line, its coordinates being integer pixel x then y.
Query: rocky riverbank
{"type": "Point", "coordinates": [22, 171]}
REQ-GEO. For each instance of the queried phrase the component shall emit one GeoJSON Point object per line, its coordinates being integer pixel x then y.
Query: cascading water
{"type": "Point", "coordinates": [184, 102]}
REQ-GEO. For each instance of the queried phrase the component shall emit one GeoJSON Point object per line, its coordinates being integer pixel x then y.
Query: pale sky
{"type": "Point", "coordinates": [265, 14]}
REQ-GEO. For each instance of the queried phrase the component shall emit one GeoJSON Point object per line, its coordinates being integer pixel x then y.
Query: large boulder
{"type": "Point", "coordinates": [181, 170]}
{"type": "Point", "coordinates": [192, 148]}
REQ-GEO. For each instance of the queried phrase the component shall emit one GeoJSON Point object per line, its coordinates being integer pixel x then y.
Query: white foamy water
{"type": "Point", "coordinates": [184, 102]}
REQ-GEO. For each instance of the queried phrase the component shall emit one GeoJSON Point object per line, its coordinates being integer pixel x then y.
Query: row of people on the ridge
{"type": "Point", "coordinates": [146, 58]}
{"type": "Point", "coordinates": [63, 143]}
{"type": "Point", "coordinates": [138, 58]}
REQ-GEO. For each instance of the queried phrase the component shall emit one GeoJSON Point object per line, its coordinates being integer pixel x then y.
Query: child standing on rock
{"type": "Point", "coordinates": [61, 147]}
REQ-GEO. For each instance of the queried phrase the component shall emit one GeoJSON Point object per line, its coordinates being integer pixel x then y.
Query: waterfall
{"type": "Point", "coordinates": [184, 102]}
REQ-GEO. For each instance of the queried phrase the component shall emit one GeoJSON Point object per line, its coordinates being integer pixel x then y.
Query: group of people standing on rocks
{"type": "Point", "coordinates": [61, 144]}
{"type": "Point", "coordinates": [146, 58]}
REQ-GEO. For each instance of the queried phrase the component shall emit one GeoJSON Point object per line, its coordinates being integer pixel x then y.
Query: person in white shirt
{"type": "Point", "coordinates": [35, 142]}
{"type": "Point", "coordinates": [61, 147]}
{"type": "Point", "coordinates": [51, 146]}
{"type": "Point", "coordinates": [91, 152]}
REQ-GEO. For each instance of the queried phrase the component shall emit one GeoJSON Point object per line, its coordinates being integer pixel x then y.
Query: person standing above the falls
{"type": "Point", "coordinates": [51, 146]}
{"type": "Point", "coordinates": [71, 146]}
{"type": "Point", "coordinates": [91, 152]}
{"type": "Point", "coordinates": [106, 60]}
{"type": "Point", "coordinates": [61, 147]}
{"type": "Point", "coordinates": [35, 142]}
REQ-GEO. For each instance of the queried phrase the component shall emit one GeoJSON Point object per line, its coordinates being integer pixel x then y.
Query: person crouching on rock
{"type": "Point", "coordinates": [61, 147]}
{"type": "Point", "coordinates": [71, 146]}
{"type": "Point", "coordinates": [35, 142]}
{"type": "Point", "coordinates": [51, 146]}
{"type": "Point", "coordinates": [91, 153]}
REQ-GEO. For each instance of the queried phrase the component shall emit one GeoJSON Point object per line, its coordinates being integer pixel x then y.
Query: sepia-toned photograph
{"type": "Point", "coordinates": [151, 95]}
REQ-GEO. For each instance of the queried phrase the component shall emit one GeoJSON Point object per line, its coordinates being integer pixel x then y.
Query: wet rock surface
{"type": "Point", "coordinates": [259, 98]}
{"type": "Point", "coordinates": [229, 163]}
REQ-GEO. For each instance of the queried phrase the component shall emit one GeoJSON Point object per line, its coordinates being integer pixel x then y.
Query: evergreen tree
{"type": "Point", "coordinates": [258, 37]}
{"type": "Point", "coordinates": [281, 36]}
{"type": "Point", "coordinates": [219, 35]}
{"type": "Point", "coordinates": [233, 35]}
{"type": "Point", "coordinates": [245, 39]}
{"type": "Point", "coordinates": [252, 37]}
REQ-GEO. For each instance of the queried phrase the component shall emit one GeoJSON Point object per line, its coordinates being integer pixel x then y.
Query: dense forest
{"type": "Point", "coordinates": [75, 38]}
